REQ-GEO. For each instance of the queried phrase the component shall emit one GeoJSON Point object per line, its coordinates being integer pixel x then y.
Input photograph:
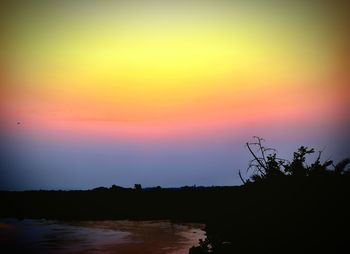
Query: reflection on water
{"type": "Point", "coordinates": [122, 237]}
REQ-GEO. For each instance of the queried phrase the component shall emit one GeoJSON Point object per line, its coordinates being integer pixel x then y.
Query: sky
{"type": "Point", "coordinates": [166, 93]}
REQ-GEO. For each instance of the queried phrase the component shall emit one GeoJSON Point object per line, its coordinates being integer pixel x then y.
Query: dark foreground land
{"type": "Point", "coordinates": [261, 217]}
{"type": "Point", "coordinates": [284, 207]}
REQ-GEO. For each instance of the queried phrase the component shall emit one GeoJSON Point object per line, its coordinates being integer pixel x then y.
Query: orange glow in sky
{"type": "Point", "coordinates": [132, 69]}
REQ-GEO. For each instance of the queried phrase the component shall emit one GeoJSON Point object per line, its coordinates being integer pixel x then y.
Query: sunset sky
{"type": "Point", "coordinates": [166, 93]}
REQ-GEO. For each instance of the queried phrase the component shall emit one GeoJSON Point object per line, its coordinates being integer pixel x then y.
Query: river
{"type": "Point", "coordinates": [112, 237]}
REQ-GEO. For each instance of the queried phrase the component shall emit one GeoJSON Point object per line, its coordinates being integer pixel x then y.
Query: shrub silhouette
{"type": "Point", "coordinates": [284, 207]}
{"type": "Point", "coordinates": [137, 187]}
{"type": "Point", "coordinates": [266, 165]}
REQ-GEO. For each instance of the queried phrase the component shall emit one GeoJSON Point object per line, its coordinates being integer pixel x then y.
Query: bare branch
{"type": "Point", "coordinates": [240, 176]}
{"type": "Point", "coordinates": [270, 149]}
{"type": "Point", "coordinates": [257, 159]}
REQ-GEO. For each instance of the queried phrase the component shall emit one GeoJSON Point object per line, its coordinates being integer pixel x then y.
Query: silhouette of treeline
{"type": "Point", "coordinates": [190, 203]}
{"type": "Point", "coordinates": [282, 207]}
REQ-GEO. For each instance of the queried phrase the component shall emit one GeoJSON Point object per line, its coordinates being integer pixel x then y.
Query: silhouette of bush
{"type": "Point", "coordinates": [116, 188]}
{"type": "Point", "coordinates": [266, 165]}
{"type": "Point", "coordinates": [138, 187]}
{"type": "Point", "coordinates": [284, 207]}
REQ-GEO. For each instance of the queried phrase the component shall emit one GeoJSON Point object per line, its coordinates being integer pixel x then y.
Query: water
{"type": "Point", "coordinates": [122, 237]}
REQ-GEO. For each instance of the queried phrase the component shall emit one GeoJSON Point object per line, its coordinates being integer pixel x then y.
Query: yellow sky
{"type": "Point", "coordinates": [165, 61]}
